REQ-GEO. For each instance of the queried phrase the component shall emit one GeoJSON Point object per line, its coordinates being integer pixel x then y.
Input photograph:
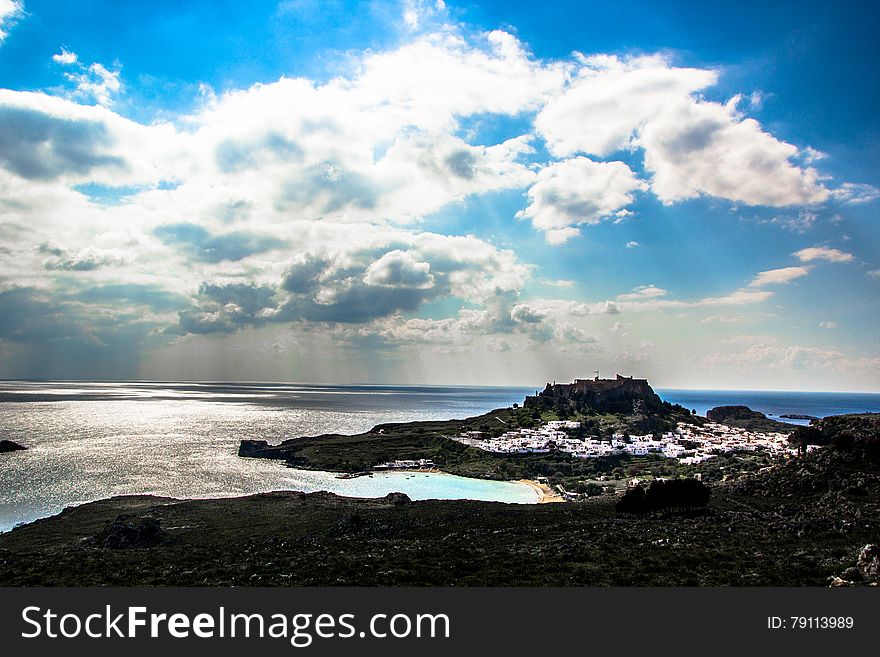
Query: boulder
{"type": "Point", "coordinates": [397, 498]}
{"type": "Point", "coordinates": [126, 532]}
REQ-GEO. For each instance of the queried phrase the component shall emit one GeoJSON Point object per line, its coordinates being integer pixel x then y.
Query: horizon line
{"type": "Point", "coordinates": [412, 385]}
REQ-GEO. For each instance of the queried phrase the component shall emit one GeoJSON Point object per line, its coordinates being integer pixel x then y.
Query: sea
{"type": "Point", "coordinates": [91, 440]}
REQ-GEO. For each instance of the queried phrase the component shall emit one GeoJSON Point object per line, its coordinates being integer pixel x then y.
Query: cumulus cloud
{"type": "Point", "coordinates": [578, 191]}
{"type": "Point", "coordinates": [87, 259]}
{"type": "Point", "coordinates": [10, 12]}
{"type": "Point", "coordinates": [828, 325]}
{"type": "Point", "coordinates": [632, 244]}
{"type": "Point", "coordinates": [691, 146]}
{"type": "Point", "coordinates": [227, 308]}
{"type": "Point", "coordinates": [828, 254]}
{"type": "Point", "coordinates": [777, 276]}
{"type": "Point", "coordinates": [36, 145]}
{"type": "Point", "coordinates": [399, 269]}
{"type": "Point", "coordinates": [303, 202]}
{"type": "Point", "coordinates": [707, 149]}
{"type": "Point", "coordinates": [609, 99]}
{"type": "Point", "coordinates": [65, 57]}
{"type": "Point", "coordinates": [200, 245]}
{"type": "Point", "coordinates": [46, 138]}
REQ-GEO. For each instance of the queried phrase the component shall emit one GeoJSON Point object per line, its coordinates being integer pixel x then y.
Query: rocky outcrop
{"type": "Point", "coordinates": [866, 572]}
{"type": "Point", "coordinates": [262, 449]}
{"type": "Point", "coordinates": [618, 395]}
{"type": "Point", "coordinates": [126, 532]}
{"type": "Point", "coordinates": [10, 446]}
{"type": "Point", "coordinates": [745, 418]}
{"type": "Point", "coordinates": [397, 499]}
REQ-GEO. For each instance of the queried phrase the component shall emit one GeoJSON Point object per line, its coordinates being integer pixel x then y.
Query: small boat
{"type": "Point", "coordinates": [353, 475]}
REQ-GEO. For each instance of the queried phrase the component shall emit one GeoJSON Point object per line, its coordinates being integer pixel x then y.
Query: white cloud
{"type": "Point", "coordinates": [643, 292]}
{"type": "Point", "coordinates": [721, 319]}
{"type": "Point", "coordinates": [737, 298]}
{"type": "Point", "coordinates": [299, 202]}
{"type": "Point", "coordinates": [702, 148]}
{"type": "Point", "coordinates": [856, 193]}
{"type": "Point", "coordinates": [97, 83]}
{"type": "Point", "coordinates": [609, 99]}
{"type": "Point", "coordinates": [578, 191]}
{"type": "Point", "coordinates": [828, 325]}
{"type": "Point", "coordinates": [874, 273]}
{"type": "Point", "coordinates": [399, 269]}
{"type": "Point", "coordinates": [692, 147]}
{"type": "Point", "coordinates": [632, 244]}
{"type": "Point", "coordinates": [778, 276]}
{"type": "Point", "coordinates": [417, 12]}
{"type": "Point", "coordinates": [823, 253]}
{"type": "Point", "coordinates": [10, 11]}
{"type": "Point", "coordinates": [776, 357]}
{"type": "Point", "coordinates": [498, 345]}
{"type": "Point", "coordinates": [65, 57]}
{"type": "Point", "coordinates": [648, 298]}
{"type": "Point", "coordinates": [804, 221]}
{"type": "Point", "coordinates": [557, 282]}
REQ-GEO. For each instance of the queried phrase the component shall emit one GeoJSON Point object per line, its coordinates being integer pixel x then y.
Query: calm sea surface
{"type": "Point", "coordinates": [776, 403]}
{"type": "Point", "coordinates": [88, 441]}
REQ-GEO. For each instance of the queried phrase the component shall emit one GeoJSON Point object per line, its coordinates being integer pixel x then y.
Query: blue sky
{"type": "Point", "coordinates": [416, 191]}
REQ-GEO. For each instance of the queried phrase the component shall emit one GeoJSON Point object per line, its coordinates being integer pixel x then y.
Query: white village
{"type": "Point", "coordinates": [690, 444]}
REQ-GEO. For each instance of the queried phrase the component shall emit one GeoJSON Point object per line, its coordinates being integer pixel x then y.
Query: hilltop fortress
{"type": "Point", "coordinates": [622, 394]}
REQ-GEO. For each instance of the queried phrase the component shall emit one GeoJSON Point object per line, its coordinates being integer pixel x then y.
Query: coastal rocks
{"type": "Point", "coordinates": [126, 532]}
{"type": "Point", "coordinates": [10, 446]}
{"type": "Point", "coordinates": [397, 499]}
{"type": "Point", "coordinates": [253, 448]}
{"type": "Point", "coordinates": [745, 418]}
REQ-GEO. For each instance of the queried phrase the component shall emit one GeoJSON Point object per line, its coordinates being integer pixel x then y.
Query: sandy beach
{"type": "Point", "coordinates": [546, 495]}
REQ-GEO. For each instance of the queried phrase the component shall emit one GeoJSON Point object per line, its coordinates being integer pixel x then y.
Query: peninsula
{"type": "Point", "coordinates": [585, 437]}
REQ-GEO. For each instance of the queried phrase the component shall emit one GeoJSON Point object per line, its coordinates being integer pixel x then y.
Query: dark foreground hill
{"type": "Point", "coordinates": [799, 523]}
